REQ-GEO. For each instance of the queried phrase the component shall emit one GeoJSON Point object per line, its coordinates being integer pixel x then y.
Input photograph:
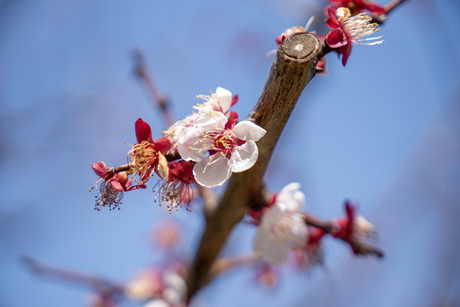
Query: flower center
{"type": "Point", "coordinates": [224, 142]}
{"type": "Point", "coordinates": [143, 159]}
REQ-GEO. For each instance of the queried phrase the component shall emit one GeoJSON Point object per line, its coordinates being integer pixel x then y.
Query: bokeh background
{"type": "Point", "coordinates": [384, 132]}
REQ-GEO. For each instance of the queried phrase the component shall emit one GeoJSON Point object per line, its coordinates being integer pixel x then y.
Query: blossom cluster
{"type": "Point", "coordinates": [350, 23]}
{"type": "Point", "coordinates": [283, 230]}
{"type": "Point", "coordinates": [204, 148]}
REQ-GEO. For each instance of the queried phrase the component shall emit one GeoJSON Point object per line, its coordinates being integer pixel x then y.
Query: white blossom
{"type": "Point", "coordinates": [282, 227]}
{"type": "Point", "coordinates": [232, 150]}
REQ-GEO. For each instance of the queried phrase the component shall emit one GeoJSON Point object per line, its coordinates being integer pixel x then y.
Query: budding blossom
{"type": "Point", "coordinates": [282, 227]}
{"type": "Point", "coordinates": [111, 189]}
{"type": "Point", "coordinates": [355, 229]}
{"type": "Point", "coordinates": [357, 6]}
{"type": "Point", "coordinates": [348, 30]}
{"type": "Point", "coordinates": [232, 148]}
{"type": "Point", "coordinates": [173, 291]}
{"type": "Point", "coordinates": [147, 156]}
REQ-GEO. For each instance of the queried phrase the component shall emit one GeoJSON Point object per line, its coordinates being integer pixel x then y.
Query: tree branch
{"type": "Point", "coordinates": [293, 67]}
{"type": "Point", "coordinates": [142, 72]}
{"type": "Point", "coordinates": [107, 287]}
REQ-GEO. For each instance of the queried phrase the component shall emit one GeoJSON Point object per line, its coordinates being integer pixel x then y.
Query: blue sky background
{"type": "Point", "coordinates": [384, 131]}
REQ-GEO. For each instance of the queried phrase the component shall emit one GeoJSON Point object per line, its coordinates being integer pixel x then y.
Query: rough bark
{"type": "Point", "coordinates": [293, 67]}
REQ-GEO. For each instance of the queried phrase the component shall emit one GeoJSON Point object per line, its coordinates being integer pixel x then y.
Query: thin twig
{"type": "Point", "coordinates": [101, 285]}
{"type": "Point", "coordinates": [225, 264]}
{"type": "Point", "coordinates": [389, 7]}
{"type": "Point", "coordinates": [142, 72]}
{"type": "Point", "coordinates": [311, 220]}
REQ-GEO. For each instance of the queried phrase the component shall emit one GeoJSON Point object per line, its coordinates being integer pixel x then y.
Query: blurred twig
{"type": "Point", "coordinates": [102, 286]}
{"type": "Point", "coordinates": [142, 72]}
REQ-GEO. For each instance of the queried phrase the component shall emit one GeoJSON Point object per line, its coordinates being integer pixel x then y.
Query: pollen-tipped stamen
{"type": "Point", "coordinates": [143, 158]}
{"type": "Point", "coordinates": [108, 197]}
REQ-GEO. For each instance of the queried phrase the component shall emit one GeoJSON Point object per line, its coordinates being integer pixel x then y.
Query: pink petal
{"type": "Point", "coordinates": [117, 186]}
{"type": "Point", "coordinates": [135, 187]}
{"type": "Point", "coordinates": [163, 145]}
{"type": "Point", "coordinates": [232, 119]}
{"type": "Point", "coordinates": [280, 39]}
{"type": "Point", "coordinates": [346, 51]}
{"type": "Point", "coordinates": [336, 38]}
{"type": "Point", "coordinates": [100, 169]}
{"type": "Point", "coordinates": [374, 8]}
{"type": "Point", "coordinates": [182, 170]}
{"type": "Point", "coordinates": [332, 21]}
{"type": "Point", "coordinates": [234, 99]}
{"type": "Point", "coordinates": [143, 131]}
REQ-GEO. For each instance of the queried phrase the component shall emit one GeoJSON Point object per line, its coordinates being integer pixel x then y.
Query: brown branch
{"type": "Point", "coordinates": [142, 72]}
{"type": "Point", "coordinates": [311, 220]}
{"type": "Point", "coordinates": [225, 264]}
{"type": "Point", "coordinates": [292, 69]}
{"type": "Point", "coordinates": [117, 169]}
{"type": "Point", "coordinates": [389, 7]}
{"type": "Point", "coordinates": [364, 248]}
{"type": "Point", "coordinates": [101, 285]}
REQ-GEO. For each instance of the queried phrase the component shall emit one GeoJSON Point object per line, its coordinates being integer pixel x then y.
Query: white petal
{"type": "Point", "coordinates": [190, 144]}
{"type": "Point", "coordinates": [212, 172]}
{"type": "Point", "coordinates": [261, 241]}
{"type": "Point", "coordinates": [248, 131]}
{"type": "Point", "coordinates": [271, 216]}
{"type": "Point", "coordinates": [297, 233]}
{"type": "Point", "coordinates": [157, 303]}
{"type": "Point", "coordinates": [208, 120]}
{"type": "Point", "coordinates": [263, 235]}
{"type": "Point", "coordinates": [225, 98]}
{"type": "Point", "coordinates": [176, 289]}
{"type": "Point", "coordinates": [292, 199]}
{"type": "Point", "coordinates": [276, 253]}
{"type": "Point", "coordinates": [266, 245]}
{"type": "Point", "coordinates": [244, 157]}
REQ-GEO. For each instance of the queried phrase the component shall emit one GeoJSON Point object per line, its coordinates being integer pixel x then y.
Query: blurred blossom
{"type": "Point", "coordinates": [355, 230]}
{"type": "Point", "coordinates": [266, 275]}
{"type": "Point", "coordinates": [166, 235]}
{"type": "Point", "coordinates": [282, 226]}
{"type": "Point", "coordinates": [312, 254]}
{"type": "Point", "coordinates": [96, 300]}
{"type": "Point", "coordinates": [174, 291]}
{"type": "Point", "coordinates": [146, 285]}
